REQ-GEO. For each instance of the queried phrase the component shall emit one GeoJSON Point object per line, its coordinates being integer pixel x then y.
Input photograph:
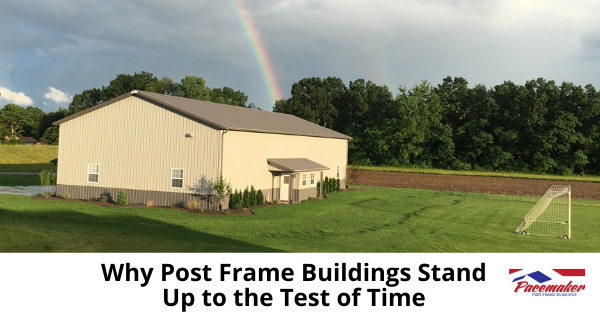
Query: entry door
{"type": "Point", "coordinates": [284, 191]}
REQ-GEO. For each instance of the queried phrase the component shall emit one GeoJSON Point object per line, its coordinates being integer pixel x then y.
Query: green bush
{"type": "Point", "coordinates": [252, 196]}
{"type": "Point", "coordinates": [246, 199]}
{"type": "Point", "coordinates": [260, 198]}
{"type": "Point", "coordinates": [337, 184]}
{"type": "Point", "coordinates": [318, 189]}
{"type": "Point", "coordinates": [104, 198]}
{"type": "Point", "coordinates": [236, 200]}
{"type": "Point", "coordinates": [326, 185]}
{"type": "Point", "coordinates": [121, 198]}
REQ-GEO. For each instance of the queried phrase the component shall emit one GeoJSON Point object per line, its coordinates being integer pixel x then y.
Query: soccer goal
{"type": "Point", "coordinates": [551, 216]}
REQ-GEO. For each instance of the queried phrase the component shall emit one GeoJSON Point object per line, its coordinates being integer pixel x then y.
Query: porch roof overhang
{"type": "Point", "coordinates": [294, 165]}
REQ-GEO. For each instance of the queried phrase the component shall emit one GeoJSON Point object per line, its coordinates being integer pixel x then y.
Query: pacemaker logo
{"type": "Point", "coordinates": [555, 282]}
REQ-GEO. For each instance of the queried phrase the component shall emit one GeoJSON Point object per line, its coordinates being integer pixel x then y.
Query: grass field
{"type": "Point", "coordinates": [374, 219]}
{"type": "Point", "coordinates": [19, 180]}
{"type": "Point", "coordinates": [585, 178]}
{"type": "Point", "coordinates": [27, 158]}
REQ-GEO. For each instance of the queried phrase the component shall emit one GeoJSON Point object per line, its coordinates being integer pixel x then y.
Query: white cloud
{"type": "Point", "coordinates": [57, 95]}
{"type": "Point", "coordinates": [18, 98]}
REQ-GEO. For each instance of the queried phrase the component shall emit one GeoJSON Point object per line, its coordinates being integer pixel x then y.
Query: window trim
{"type": "Point", "coordinates": [172, 178]}
{"type": "Point", "coordinates": [312, 179]}
{"type": "Point", "coordinates": [97, 173]}
{"type": "Point", "coordinates": [304, 179]}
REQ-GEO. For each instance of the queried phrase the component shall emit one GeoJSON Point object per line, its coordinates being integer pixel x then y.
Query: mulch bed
{"type": "Point", "coordinates": [480, 184]}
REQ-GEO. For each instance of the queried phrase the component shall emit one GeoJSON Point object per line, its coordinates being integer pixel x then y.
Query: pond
{"type": "Point", "coordinates": [25, 190]}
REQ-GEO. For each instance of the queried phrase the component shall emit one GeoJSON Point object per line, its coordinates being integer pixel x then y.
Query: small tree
{"type": "Point", "coordinates": [122, 198]}
{"type": "Point", "coordinates": [222, 189]}
{"type": "Point", "coordinates": [47, 178]}
{"type": "Point", "coordinates": [260, 198]}
{"type": "Point", "coordinates": [337, 184]}
{"type": "Point", "coordinates": [354, 173]}
{"type": "Point", "coordinates": [326, 185]}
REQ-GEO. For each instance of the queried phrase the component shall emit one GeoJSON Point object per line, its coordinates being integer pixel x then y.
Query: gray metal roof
{"type": "Point", "coordinates": [296, 165]}
{"type": "Point", "coordinates": [228, 117]}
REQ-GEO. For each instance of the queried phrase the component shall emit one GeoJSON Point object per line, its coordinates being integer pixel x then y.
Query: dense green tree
{"type": "Point", "coordinates": [86, 99]}
{"type": "Point", "coordinates": [50, 136]}
{"type": "Point", "coordinates": [227, 95]}
{"type": "Point", "coordinates": [194, 87]}
{"type": "Point", "coordinates": [15, 119]}
{"type": "Point", "coordinates": [314, 99]}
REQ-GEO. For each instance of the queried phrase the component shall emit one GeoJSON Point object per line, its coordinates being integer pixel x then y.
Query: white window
{"type": "Point", "coordinates": [304, 179]}
{"type": "Point", "coordinates": [93, 171]}
{"type": "Point", "coordinates": [312, 179]}
{"type": "Point", "coordinates": [338, 172]}
{"type": "Point", "coordinates": [176, 178]}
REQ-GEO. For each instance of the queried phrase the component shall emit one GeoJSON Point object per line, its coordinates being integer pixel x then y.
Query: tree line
{"type": "Point", "coordinates": [536, 127]}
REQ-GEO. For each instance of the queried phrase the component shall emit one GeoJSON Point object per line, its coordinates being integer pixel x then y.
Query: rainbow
{"type": "Point", "coordinates": [259, 51]}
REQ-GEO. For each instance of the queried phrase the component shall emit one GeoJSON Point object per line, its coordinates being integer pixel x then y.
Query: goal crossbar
{"type": "Point", "coordinates": [554, 208]}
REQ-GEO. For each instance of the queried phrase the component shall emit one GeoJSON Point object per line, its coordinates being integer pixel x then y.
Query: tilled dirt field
{"type": "Point", "coordinates": [492, 185]}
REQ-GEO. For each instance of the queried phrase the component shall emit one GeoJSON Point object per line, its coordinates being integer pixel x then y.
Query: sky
{"type": "Point", "coordinates": [52, 50]}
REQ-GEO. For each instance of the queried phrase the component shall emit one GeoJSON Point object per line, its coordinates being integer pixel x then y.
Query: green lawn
{"type": "Point", "coordinates": [27, 158]}
{"type": "Point", "coordinates": [402, 169]}
{"type": "Point", "coordinates": [376, 219]}
{"type": "Point", "coordinates": [19, 180]}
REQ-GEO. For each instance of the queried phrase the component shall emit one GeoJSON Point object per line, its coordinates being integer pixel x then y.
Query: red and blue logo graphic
{"type": "Point", "coordinates": [548, 283]}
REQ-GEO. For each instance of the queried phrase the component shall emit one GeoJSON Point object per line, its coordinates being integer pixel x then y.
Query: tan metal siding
{"type": "Point", "coordinates": [136, 143]}
{"type": "Point", "coordinates": [245, 156]}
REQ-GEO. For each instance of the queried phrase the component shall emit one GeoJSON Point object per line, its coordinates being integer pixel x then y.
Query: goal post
{"type": "Point", "coordinates": [551, 215]}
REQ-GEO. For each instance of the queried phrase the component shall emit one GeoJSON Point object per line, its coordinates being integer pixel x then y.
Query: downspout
{"type": "Point", "coordinates": [221, 173]}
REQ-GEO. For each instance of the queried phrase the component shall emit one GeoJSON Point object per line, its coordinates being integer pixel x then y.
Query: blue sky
{"type": "Point", "coordinates": [52, 50]}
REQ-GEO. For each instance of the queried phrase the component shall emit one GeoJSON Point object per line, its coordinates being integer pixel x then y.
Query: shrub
{"type": "Point", "coordinates": [238, 204]}
{"type": "Point", "coordinates": [66, 196]}
{"type": "Point", "coordinates": [170, 206]}
{"type": "Point", "coordinates": [318, 189]}
{"type": "Point", "coordinates": [192, 204]}
{"type": "Point", "coordinates": [149, 203]}
{"type": "Point", "coordinates": [326, 185]}
{"type": "Point", "coordinates": [252, 196]}
{"type": "Point", "coordinates": [337, 184]}
{"type": "Point", "coordinates": [234, 199]}
{"type": "Point", "coordinates": [246, 199]}
{"type": "Point", "coordinates": [275, 201]}
{"type": "Point", "coordinates": [104, 198]}
{"type": "Point", "coordinates": [40, 194]}
{"type": "Point", "coordinates": [260, 198]}
{"type": "Point", "coordinates": [121, 198]}
{"type": "Point", "coordinates": [84, 199]}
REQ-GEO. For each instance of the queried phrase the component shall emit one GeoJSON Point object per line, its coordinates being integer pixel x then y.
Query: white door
{"type": "Point", "coordinates": [284, 191]}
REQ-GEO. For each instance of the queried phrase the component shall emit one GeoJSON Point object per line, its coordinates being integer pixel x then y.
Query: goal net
{"type": "Point", "coordinates": [551, 216]}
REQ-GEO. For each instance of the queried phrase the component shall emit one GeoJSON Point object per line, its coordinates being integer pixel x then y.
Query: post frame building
{"type": "Point", "coordinates": [169, 150]}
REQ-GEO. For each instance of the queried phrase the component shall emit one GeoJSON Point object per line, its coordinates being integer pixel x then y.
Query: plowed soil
{"type": "Point", "coordinates": [492, 185]}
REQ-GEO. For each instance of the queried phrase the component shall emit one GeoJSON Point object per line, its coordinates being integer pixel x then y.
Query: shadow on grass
{"type": "Point", "coordinates": [27, 167]}
{"type": "Point", "coordinates": [59, 230]}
